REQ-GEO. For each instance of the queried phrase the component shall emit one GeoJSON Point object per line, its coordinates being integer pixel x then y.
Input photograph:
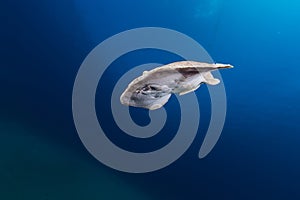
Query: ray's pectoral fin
{"type": "Point", "coordinates": [159, 102]}
{"type": "Point", "coordinates": [206, 77]}
{"type": "Point", "coordinates": [209, 79]}
{"type": "Point", "coordinates": [189, 90]}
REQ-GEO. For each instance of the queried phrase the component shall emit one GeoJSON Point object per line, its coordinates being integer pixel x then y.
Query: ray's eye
{"type": "Point", "coordinates": [146, 88]}
{"type": "Point", "coordinates": [152, 87]}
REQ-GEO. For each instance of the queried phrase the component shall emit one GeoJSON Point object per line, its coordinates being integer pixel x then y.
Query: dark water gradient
{"type": "Point", "coordinates": [42, 46]}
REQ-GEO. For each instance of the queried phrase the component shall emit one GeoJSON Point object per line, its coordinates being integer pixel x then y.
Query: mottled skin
{"type": "Point", "coordinates": [153, 89]}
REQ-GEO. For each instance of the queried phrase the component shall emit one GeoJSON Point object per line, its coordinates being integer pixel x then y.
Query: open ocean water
{"type": "Point", "coordinates": [42, 45]}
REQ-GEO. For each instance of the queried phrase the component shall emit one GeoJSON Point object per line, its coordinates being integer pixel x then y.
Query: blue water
{"type": "Point", "coordinates": [43, 44]}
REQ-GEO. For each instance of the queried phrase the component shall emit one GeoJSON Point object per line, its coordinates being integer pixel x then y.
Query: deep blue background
{"type": "Point", "coordinates": [42, 44]}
